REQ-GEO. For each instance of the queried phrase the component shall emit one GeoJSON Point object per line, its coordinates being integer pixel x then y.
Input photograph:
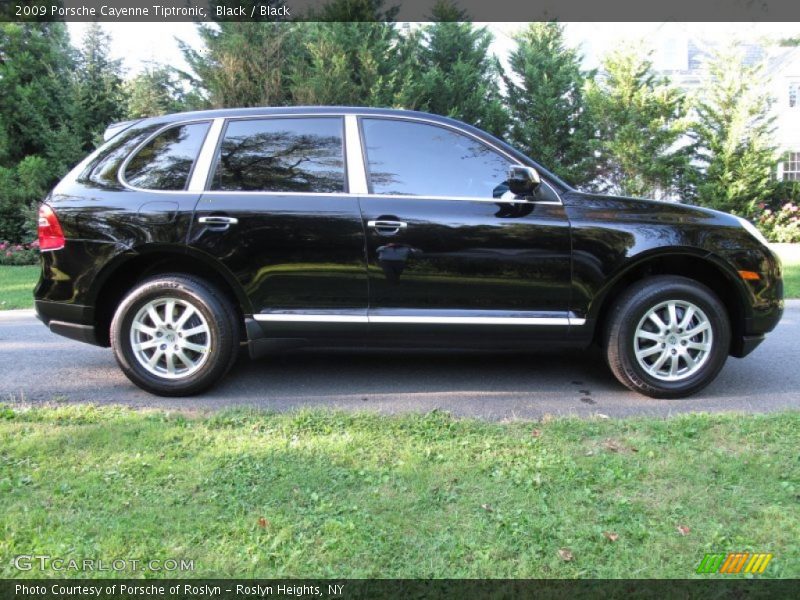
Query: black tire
{"type": "Point", "coordinates": [222, 338]}
{"type": "Point", "coordinates": [631, 308]}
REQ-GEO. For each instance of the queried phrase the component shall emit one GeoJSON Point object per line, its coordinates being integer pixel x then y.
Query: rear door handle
{"type": "Point", "coordinates": [387, 227]}
{"type": "Point", "coordinates": [218, 222]}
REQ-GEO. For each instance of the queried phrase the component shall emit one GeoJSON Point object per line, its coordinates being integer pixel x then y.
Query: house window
{"type": "Point", "coordinates": [791, 167]}
{"type": "Point", "coordinates": [794, 92]}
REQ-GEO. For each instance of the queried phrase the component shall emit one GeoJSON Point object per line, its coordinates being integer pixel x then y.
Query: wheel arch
{"type": "Point", "coordinates": [701, 266]}
{"type": "Point", "coordinates": [127, 269]}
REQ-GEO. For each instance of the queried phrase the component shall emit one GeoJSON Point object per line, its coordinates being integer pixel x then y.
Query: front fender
{"type": "Point", "coordinates": [638, 263]}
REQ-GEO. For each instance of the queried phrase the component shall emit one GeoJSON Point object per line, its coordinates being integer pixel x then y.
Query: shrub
{"type": "Point", "coordinates": [19, 254]}
{"type": "Point", "coordinates": [781, 225]}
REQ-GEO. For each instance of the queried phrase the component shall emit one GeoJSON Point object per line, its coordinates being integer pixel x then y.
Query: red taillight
{"type": "Point", "coordinates": [50, 235]}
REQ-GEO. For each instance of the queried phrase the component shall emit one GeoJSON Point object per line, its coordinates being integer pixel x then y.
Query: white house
{"type": "Point", "coordinates": [681, 52]}
{"type": "Point", "coordinates": [785, 69]}
{"type": "Point", "coordinates": [683, 59]}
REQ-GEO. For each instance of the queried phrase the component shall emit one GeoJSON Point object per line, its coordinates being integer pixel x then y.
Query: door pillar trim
{"type": "Point", "coordinates": [356, 170]}
{"type": "Point", "coordinates": [205, 160]}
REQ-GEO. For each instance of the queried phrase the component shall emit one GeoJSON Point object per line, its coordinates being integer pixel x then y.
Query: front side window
{"type": "Point", "coordinates": [416, 159]}
{"type": "Point", "coordinates": [166, 161]}
{"type": "Point", "coordinates": [281, 155]}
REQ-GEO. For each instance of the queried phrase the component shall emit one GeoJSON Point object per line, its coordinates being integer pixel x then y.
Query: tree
{"type": "Point", "coordinates": [36, 65]}
{"type": "Point", "coordinates": [99, 92]}
{"type": "Point", "coordinates": [158, 90]}
{"type": "Point", "coordinates": [734, 131]}
{"type": "Point", "coordinates": [37, 144]}
{"type": "Point", "coordinates": [641, 121]}
{"type": "Point", "coordinates": [347, 63]}
{"type": "Point", "coordinates": [354, 11]}
{"type": "Point", "coordinates": [245, 64]}
{"type": "Point", "coordinates": [348, 55]}
{"type": "Point", "coordinates": [549, 120]}
{"type": "Point", "coordinates": [455, 74]}
{"type": "Point", "coordinates": [351, 55]}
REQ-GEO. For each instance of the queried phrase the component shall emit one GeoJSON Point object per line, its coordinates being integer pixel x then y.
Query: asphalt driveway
{"type": "Point", "coordinates": [38, 367]}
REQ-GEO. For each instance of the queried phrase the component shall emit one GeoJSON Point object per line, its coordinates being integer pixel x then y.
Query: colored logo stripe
{"type": "Point", "coordinates": [758, 563]}
{"type": "Point", "coordinates": [734, 562]}
{"type": "Point", "coordinates": [711, 563]}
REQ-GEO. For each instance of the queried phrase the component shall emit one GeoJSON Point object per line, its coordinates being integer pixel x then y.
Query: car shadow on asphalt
{"type": "Point", "coordinates": [397, 371]}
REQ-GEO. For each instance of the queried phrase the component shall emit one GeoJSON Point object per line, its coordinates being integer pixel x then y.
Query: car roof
{"type": "Point", "coordinates": [305, 110]}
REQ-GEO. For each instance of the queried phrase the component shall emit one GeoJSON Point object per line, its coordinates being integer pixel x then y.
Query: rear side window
{"type": "Point", "coordinates": [166, 161]}
{"type": "Point", "coordinates": [281, 155]}
{"type": "Point", "coordinates": [103, 171]}
{"type": "Point", "coordinates": [416, 159]}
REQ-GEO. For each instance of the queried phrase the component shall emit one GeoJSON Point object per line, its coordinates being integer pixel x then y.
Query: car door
{"type": "Point", "coordinates": [156, 177]}
{"type": "Point", "coordinates": [453, 257]}
{"type": "Point", "coordinates": [277, 214]}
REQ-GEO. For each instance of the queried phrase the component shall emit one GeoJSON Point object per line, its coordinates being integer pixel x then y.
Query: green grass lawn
{"type": "Point", "coordinates": [792, 280]}
{"type": "Point", "coordinates": [16, 286]}
{"type": "Point", "coordinates": [790, 257]}
{"type": "Point", "coordinates": [16, 283]}
{"type": "Point", "coordinates": [247, 494]}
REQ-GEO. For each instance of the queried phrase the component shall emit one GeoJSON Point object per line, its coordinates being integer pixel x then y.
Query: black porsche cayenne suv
{"type": "Point", "coordinates": [186, 237]}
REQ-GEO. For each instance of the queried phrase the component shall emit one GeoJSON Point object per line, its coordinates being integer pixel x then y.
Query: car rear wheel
{"type": "Point", "coordinates": [174, 335]}
{"type": "Point", "coordinates": [667, 337]}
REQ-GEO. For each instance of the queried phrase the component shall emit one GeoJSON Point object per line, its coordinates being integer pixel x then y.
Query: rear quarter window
{"type": "Point", "coordinates": [166, 161]}
{"type": "Point", "coordinates": [103, 171]}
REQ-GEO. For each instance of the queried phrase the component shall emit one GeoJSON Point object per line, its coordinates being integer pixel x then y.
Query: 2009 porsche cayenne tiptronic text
{"type": "Point", "coordinates": [185, 237]}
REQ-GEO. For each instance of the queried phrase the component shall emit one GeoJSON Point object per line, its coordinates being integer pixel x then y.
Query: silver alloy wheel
{"type": "Point", "coordinates": [170, 338]}
{"type": "Point", "coordinates": [673, 340]}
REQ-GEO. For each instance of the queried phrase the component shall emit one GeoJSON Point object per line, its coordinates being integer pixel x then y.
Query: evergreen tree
{"type": "Point", "coordinates": [99, 98]}
{"type": "Point", "coordinates": [37, 145]}
{"type": "Point", "coordinates": [456, 76]}
{"type": "Point", "coordinates": [36, 89]}
{"type": "Point", "coordinates": [345, 56]}
{"type": "Point", "coordinates": [641, 120]}
{"type": "Point", "coordinates": [158, 90]}
{"type": "Point", "coordinates": [351, 55]}
{"type": "Point", "coordinates": [353, 63]}
{"type": "Point", "coordinates": [734, 131]}
{"type": "Point", "coordinates": [244, 64]}
{"type": "Point", "coordinates": [354, 11]}
{"type": "Point", "coordinates": [549, 120]}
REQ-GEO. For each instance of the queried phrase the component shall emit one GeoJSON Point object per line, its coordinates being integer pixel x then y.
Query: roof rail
{"type": "Point", "coordinates": [117, 128]}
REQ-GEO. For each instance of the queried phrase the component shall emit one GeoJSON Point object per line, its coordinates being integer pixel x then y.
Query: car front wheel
{"type": "Point", "coordinates": [174, 335]}
{"type": "Point", "coordinates": [667, 337]}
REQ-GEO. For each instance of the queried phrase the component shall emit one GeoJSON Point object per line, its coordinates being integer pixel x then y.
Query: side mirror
{"type": "Point", "coordinates": [523, 181]}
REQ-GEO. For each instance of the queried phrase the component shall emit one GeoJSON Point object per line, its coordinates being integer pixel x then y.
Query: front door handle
{"type": "Point", "coordinates": [218, 222]}
{"type": "Point", "coordinates": [387, 227]}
